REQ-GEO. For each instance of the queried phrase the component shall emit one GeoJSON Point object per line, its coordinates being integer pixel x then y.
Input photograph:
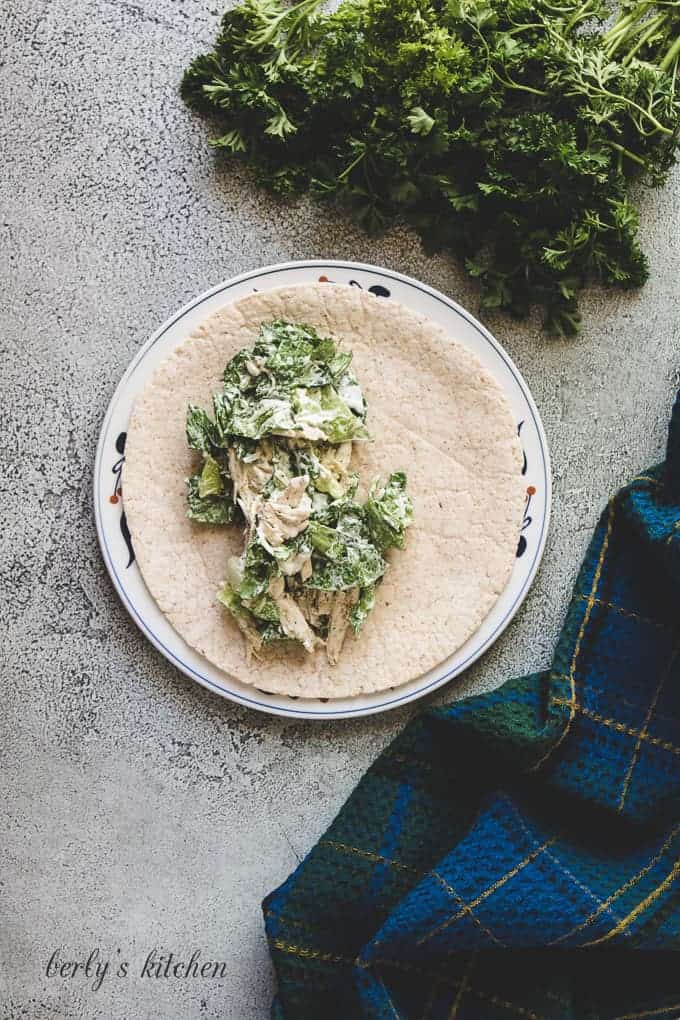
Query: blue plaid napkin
{"type": "Point", "coordinates": [517, 854]}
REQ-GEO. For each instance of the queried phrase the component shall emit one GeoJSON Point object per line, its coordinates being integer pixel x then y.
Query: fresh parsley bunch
{"type": "Point", "coordinates": [506, 131]}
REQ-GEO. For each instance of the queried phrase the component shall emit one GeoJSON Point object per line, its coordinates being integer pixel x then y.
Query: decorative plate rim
{"type": "Point", "coordinates": [321, 709]}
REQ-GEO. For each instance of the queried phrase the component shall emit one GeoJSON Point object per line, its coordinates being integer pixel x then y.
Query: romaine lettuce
{"type": "Point", "coordinates": [212, 509]}
{"type": "Point", "coordinates": [389, 511]}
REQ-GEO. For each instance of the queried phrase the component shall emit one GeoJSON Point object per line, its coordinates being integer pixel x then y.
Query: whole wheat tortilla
{"type": "Point", "coordinates": [433, 411]}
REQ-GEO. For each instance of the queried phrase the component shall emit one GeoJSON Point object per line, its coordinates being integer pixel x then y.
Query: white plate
{"type": "Point", "coordinates": [114, 537]}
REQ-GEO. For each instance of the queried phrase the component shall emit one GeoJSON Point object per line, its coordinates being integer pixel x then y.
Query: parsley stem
{"type": "Point", "coordinates": [508, 84]}
{"type": "Point", "coordinates": [651, 27]}
{"type": "Point", "coordinates": [557, 8]}
{"type": "Point", "coordinates": [583, 12]}
{"type": "Point", "coordinates": [671, 56]}
{"type": "Point", "coordinates": [623, 31]}
{"type": "Point", "coordinates": [516, 85]}
{"type": "Point", "coordinates": [622, 24]}
{"type": "Point", "coordinates": [355, 162]}
{"type": "Point", "coordinates": [524, 28]}
{"type": "Point", "coordinates": [627, 153]}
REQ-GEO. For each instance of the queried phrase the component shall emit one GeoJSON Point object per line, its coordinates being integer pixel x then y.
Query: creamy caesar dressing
{"type": "Point", "coordinates": [276, 458]}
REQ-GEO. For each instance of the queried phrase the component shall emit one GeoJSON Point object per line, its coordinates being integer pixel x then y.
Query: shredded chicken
{"type": "Point", "coordinates": [300, 563]}
{"type": "Point", "coordinates": [252, 635]}
{"type": "Point", "coordinates": [249, 479]}
{"type": "Point", "coordinates": [324, 601]}
{"type": "Point", "coordinates": [341, 455]}
{"type": "Point", "coordinates": [339, 622]}
{"type": "Point", "coordinates": [291, 617]}
{"type": "Point", "coordinates": [306, 569]}
{"type": "Point", "coordinates": [255, 366]}
{"type": "Point", "coordinates": [316, 605]}
{"type": "Point", "coordinates": [285, 514]}
{"type": "Point", "coordinates": [305, 601]}
{"type": "Point", "coordinates": [334, 476]}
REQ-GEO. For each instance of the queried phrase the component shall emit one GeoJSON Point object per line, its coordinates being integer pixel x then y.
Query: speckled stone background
{"type": "Point", "coordinates": [138, 810]}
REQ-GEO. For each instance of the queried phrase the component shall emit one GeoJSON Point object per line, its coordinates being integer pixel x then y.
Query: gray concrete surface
{"type": "Point", "coordinates": [138, 810]}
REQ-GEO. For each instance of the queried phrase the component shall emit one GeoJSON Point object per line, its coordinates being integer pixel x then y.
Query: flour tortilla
{"type": "Point", "coordinates": [433, 411]}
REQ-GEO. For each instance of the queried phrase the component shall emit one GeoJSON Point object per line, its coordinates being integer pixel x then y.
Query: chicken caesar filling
{"type": "Point", "coordinates": [276, 460]}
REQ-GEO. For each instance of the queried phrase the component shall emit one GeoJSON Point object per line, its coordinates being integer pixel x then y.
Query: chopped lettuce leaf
{"type": "Point", "coordinates": [210, 481]}
{"type": "Point", "coordinates": [350, 391]}
{"type": "Point", "coordinates": [222, 403]}
{"type": "Point", "coordinates": [338, 365]}
{"type": "Point", "coordinates": [285, 355]}
{"type": "Point", "coordinates": [201, 432]}
{"type": "Point", "coordinates": [210, 509]}
{"type": "Point", "coordinates": [344, 512]}
{"type": "Point", "coordinates": [333, 476]}
{"type": "Point", "coordinates": [263, 607]}
{"type": "Point", "coordinates": [325, 540]}
{"type": "Point", "coordinates": [236, 376]}
{"type": "Point", "coordinates": [345, 555]}
{"type": "Point", "coordinates": [305, 460]}
{"type": "Point", "coordinates": [258, 628]}
{"type": "Point", "coordinates": [288, 365]}
{"type": "Point", "coordinates": [273, 632]}
{"type": "Point", "coordinates": [389, 511]}
{"type": "Point", "coordinates": [259, 418]}
{"type": "Point", "coordinates": [257, 571]}
{"type": "Point", "coordinates": [235, 571]}
{"type": "Point", "coordinates": [363, 607]}
{"type": "Point", "coordinates": [243, 617]}
{"type": "Point", "coordinates": [298, 356]}
{"type": "Point", "coordinates": [360, 565]}
{"type": "Point", "coordinates": [323, 409]}
{"type": "Point", "coordinates": [247, 450]}
{"type": "Point", "coordinates": [350, 560]}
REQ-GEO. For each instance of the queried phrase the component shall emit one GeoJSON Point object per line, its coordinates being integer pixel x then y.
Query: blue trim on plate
{"type": "Point", "coordinates": [242, 698]}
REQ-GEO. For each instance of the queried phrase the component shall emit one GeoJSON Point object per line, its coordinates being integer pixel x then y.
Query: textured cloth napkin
{"type": "Point", "coordinates": [517, 854]}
